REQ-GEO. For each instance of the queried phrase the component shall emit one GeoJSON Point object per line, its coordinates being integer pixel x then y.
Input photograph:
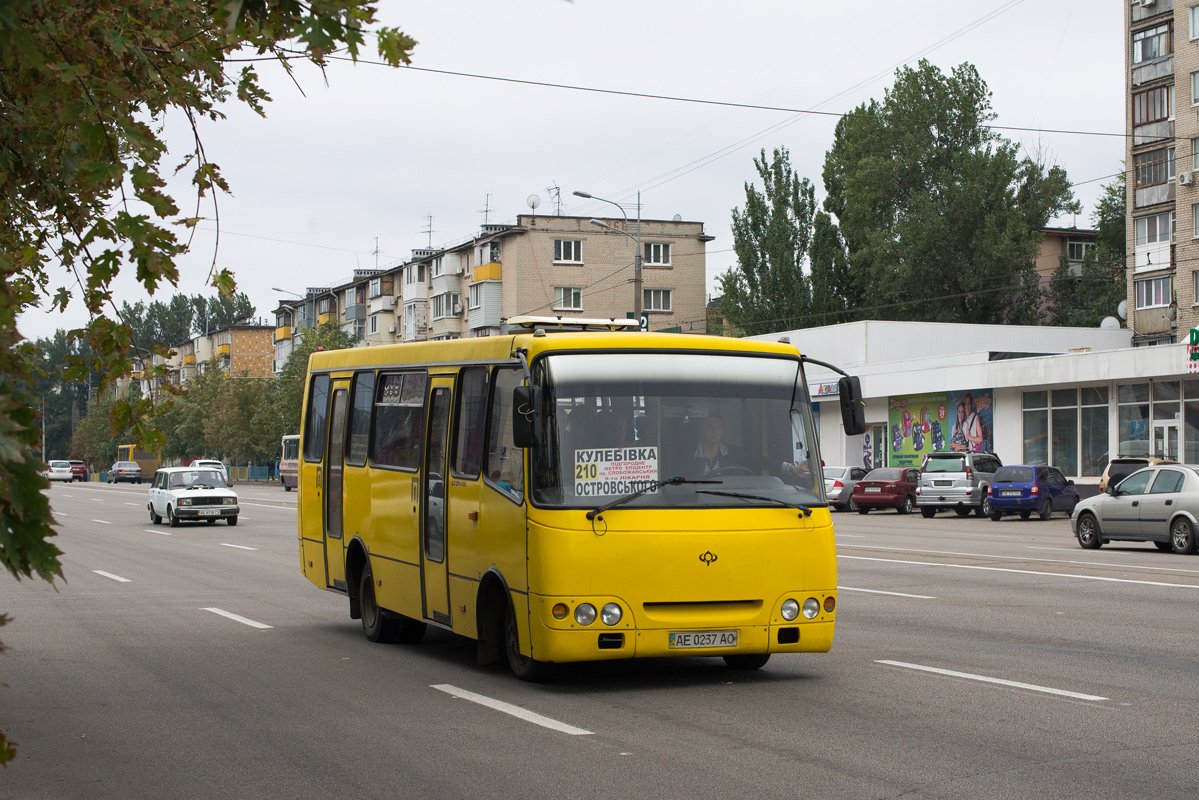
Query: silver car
{"type": "Point", "coordinates": [958, 481]}
{"type": "Point", "coordinates": [838, 486]}
{"type": "Point", "coordinates": [1158, 504]}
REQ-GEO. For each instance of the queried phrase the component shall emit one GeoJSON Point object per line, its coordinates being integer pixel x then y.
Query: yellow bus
{"type": "Point", "coordinates": [573, 492]}
{"type": "Point", "coordinates": [149, 462]}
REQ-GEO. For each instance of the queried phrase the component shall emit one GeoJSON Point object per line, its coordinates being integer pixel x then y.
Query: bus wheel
{"type": "Point", "coordinates": [523, 667]}
{"type": "Point", "coordinates": [375, 624]}
{"type": "Point", "coordinates": [748, 661]}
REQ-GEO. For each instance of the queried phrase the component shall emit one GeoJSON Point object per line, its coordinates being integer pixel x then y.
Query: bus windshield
{"type": "Point", "coordinates": [617, 423]}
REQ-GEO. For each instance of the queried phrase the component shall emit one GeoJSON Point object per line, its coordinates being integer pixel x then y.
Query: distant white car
{"type": "Point", "coordinates": [211, 464]}
{"type": "Point", "coordinates": [191, 494]}
{"type": "Point", "coordinates": [58, 471]}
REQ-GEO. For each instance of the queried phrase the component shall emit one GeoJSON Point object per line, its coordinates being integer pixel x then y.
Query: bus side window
{"type": "Point", "coordinates": [399, 420]}
{"type": "Point", "coordinates": [318, 416]}
{"type": "Point", "coordinates": [505, 461]}
{"type": "Point", "coordinates": [360, 418]}
{"type": "Point", "coordinates": [472, 417]}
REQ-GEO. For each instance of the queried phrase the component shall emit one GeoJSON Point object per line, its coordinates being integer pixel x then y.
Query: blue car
{"type": "Point", "coordinates": [1023, 489]}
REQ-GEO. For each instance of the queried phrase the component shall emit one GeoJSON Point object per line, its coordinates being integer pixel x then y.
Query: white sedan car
{"type": "Point", "coordinates": [188, 494]}
{"type": "Point", "coordinates": [58, 471]}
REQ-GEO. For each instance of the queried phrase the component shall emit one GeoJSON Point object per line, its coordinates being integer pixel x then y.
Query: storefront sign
{"type": "Point", "coordinates": [827, 389]}
{"type": "Point", "coordinates": [923, 423]}
{"type": "Point", "coordinates": [1193, 352]}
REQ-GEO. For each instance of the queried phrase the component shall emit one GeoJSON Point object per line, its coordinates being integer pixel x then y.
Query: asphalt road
{"type": "Point", "coordinates": [972, 660]}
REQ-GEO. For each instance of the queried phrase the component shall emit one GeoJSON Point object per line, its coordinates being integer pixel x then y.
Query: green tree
{"type": "Point", "coordinates": [768, 289]}
{"type": "Point", "coordinates": [940, 215]}
{"type": "Point", "coordinates": [329, 336]}
{"type": "Point", "coordinates": [85, 91]}
{"type": "Point", "coordinates": [94, 439]}
{"type": "Point", "coordinates": [1084, 299]}
{"type": "Point", "coordinates": [213, 313]}
{"type": "Point", "coordinates": [834, 293]}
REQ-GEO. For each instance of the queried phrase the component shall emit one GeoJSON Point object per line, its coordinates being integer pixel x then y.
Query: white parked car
{"type": "Point", "coordinates": [188, 494]}
{"type": "Point", "coordinates": [58, 471]}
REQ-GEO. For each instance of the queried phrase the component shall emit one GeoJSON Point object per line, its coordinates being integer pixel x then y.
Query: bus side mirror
{"type": "Point", "coordinates": [526, 416]}
{"type": "Point", "coordinates": [853, 410]}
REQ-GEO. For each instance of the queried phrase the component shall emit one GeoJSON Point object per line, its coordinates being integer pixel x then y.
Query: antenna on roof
{"type": "Point", "coordinates": [429, 229]}
{"type": "Point", "coordinates": [486, 207]}
{"type": "Point", "coordinates": [556, 198]}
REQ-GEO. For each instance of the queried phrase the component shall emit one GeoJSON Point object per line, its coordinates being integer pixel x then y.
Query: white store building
{"type": "Point", "coordinates": [1063, 396]}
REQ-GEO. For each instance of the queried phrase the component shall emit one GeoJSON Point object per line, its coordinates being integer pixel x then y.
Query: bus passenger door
{"type": "Point", "coordinates": [335, 559]}
{"type": "Point", "coordinates": [434, 575]}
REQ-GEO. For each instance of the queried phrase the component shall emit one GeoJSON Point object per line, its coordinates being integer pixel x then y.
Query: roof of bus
{"type": "Point", "coordinates": [497, 348]}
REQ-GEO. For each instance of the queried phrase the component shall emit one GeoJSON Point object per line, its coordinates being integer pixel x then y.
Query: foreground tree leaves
{"type": "Point", "coordinates": [84, 89]}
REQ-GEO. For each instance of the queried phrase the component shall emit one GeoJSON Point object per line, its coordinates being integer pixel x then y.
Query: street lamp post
{"type": "Point", "coordinates": [637, 257]}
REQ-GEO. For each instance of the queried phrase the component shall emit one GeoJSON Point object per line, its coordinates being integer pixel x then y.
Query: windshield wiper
{"type": "Point", "coordinates": [804, 511]}
{"type": "Point", "coordinates": [675, 481]}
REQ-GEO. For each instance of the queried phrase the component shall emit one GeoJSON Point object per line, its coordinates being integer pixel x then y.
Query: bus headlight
{"type": "Point", "coordinates": [811, 607]}
{"type": "Point", "coordinates": [790, 609]}
{"type": "Point", "coordinates": [611, 614]}
{"type": "Point", "coordinates": [585, 614]}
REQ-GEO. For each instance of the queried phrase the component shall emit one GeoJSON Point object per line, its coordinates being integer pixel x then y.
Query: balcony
{"type": "Point", "coordinates": [355, 312]}
{"type": "Point", "coordinates": [189, 359]}
{"type": "Point", "coordinates": [330, 316]}
{"type": "Point", "coordinates": [224, 350]}
{"type": "Point", "coordinates": [488, 272]}
{"type": "Point", "coordinates": [1162, 68]}
{"type": "Point", "coordinates": [383, 303]}
{"type": "Point", "coordinates": [282, 333]}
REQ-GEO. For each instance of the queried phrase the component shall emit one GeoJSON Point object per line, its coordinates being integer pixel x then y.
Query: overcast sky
{"type": "Point", "coordinates": [364, 155]}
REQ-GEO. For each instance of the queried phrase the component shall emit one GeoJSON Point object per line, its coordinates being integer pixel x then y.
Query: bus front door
{"type": "Point", "coordinates": [434, 574]}
{"type": "Point", "coordinates": [335, 557]}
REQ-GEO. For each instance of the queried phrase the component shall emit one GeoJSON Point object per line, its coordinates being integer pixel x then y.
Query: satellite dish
{"type": "Point", "coordinates": [1110, 324]}
{"type": "Point", "coordinates": [678, 217]}
{"type": "Point", "coordinates": [1122, 309]}
{"type": "Point", "coordinates": [533, 201]}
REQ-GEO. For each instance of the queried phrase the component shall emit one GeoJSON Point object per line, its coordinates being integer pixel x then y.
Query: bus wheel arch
{"type": "Point", "coordinates": [490, 607]}
{"type": "Point", "coordinates": [355, 561]}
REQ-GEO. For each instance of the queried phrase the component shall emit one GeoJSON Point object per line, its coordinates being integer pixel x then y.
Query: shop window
{"type": "Point", "coordinates": [1093, 432]}
{"type": "Point", "coordinates": [1064, 427]}
{"type": "Point", "coordinates": [1036, 427]}
{"type": "Point", "coordinates": [1133, 430]}
{"type": "Point", "coordinates": [1190, 422]}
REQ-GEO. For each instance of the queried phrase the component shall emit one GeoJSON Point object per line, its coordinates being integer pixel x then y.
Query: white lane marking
{"type": "Point", "coordinates": [238, 546]}
{"type": "Point", "coordinates": [879, 591]}
{"type": "Point", "coordinates": [61, 514]}
{"type": "Point", "coordinates": [95, 499]}
{"type": "Point", "coordinates": [160, 533]}
{"type": "Point", "coordinates": [68, 495]}
{"type": "Point", "coordinates": [1025, 572]}
{"type": "Point", "coordinates": [850, 535]}
{"type": "Point", "coordinates": [102, 522]}
{"type": "Point", "coordinates": [1000, 681]}
{"type": "Point", "coordinates": [129, 504]}
{"type": "Point", "coordinates": [236, 618]}
{"type": "Point", "coordinates": [110, 575]}
{"type": "Point", "coordinates": [508, 708]}
{"type": "Point", "coordinates": [1027, 558]}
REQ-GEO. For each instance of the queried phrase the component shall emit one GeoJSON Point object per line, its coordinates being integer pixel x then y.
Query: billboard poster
{"type": "Point", "coordinates": [923, 423]}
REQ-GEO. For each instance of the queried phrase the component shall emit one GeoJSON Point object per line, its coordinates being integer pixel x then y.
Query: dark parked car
{"type": "Point", "coordinates": [887, 487]}
{"type": "Point", "coordinates": [129, 471]}
{"type": "Point", "coordinates": [1022, 489]}
{"type": "Point", "coordinates": [78, 471]}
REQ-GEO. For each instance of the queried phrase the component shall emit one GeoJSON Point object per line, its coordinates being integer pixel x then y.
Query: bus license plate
{"type": "Point", "coordinates": [210, 512]}
{"type": "Point", "coordinates": [689, 639]}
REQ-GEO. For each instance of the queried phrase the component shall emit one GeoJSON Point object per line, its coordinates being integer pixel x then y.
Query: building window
{"type": "Point", "coordinates": [568, 251]}
{"type": "Point", "coordinates": [489, 253]}
{"type": "Point", "coordinates": [1154, 167]}
{"type": "Point", "coordinates": [376, 287]}
{"type": "Point", "coordinates": [1076, 249]}
{"type": "Point", "coordinates": [1152, 43]}
{"type": "Point", "coordinates": [656, 299]}
{"type": "Point", "coordinates": [1153, 105]}
{"type": "Point", "coordinates": [475, 295]}
{"type": "Point", "coordinates": [1193, 11]}
{"type": "Point", "coordinates": [568, 298]}
{"type": "Point", "coordinates": [322, 305]}
{"type": "Point", "coordinates": [445, 305]}
{"type": "Point", "coordinates": [657, 254]}
{"type": "Point", "coordinates": [414, 274]}
{"type": "Point", "coordinates": [1153, 293]}
{"type": "Point", "coordinates": [372, 324]}
{"type": "Point", "coordinates": [1155, 228]}
{"type": "Point", "coordinates": [437, 270]}
{"type": "Point", "coordinates": [349, 297]}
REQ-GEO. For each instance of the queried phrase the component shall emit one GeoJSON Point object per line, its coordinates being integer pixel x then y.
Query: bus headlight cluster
{"type": "Point", "coordinates": [790, 609]}
{"type": "Point", "coordinates": [585, 613]}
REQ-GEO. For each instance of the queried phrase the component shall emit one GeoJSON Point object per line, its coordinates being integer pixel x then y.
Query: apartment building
{"type": "Point", "coordinates": [547, 266]}
{"type": "Point", "coordinates": [244, 350]}
{"type": "Point", "coordinates": [1162, 52]}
